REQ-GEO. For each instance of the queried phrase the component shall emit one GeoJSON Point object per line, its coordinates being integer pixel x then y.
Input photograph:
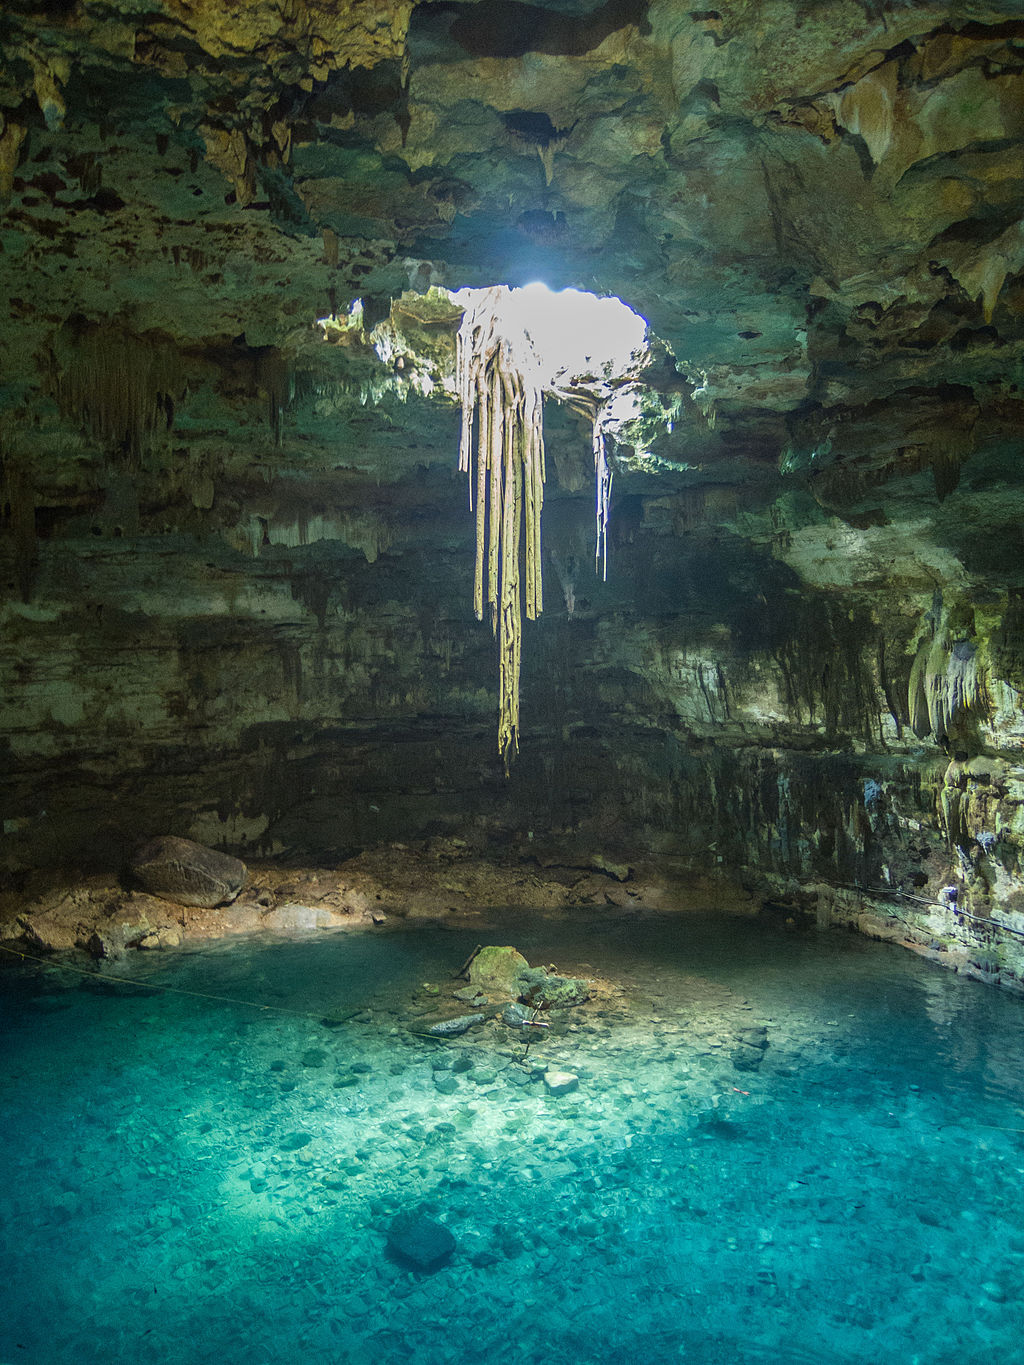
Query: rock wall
{"type": "Point", "coordinates": [307, 698]}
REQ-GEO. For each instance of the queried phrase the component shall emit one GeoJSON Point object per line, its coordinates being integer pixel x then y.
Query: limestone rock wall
{"type": "Point", "coordinates": [316, 698]}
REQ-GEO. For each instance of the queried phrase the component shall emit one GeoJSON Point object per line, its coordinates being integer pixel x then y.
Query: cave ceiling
{"type": "Point", "coordinates": [817, 206]}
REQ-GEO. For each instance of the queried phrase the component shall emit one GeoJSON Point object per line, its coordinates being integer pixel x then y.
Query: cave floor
{"type": "Point", "coordinates": [209, 1172]}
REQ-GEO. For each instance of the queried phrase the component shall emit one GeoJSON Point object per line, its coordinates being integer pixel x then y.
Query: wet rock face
{"type": "Point", "coordinates": [187, 873]}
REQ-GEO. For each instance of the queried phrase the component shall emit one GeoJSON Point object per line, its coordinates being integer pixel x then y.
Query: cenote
{"type": "Point", "coordinates": [539, 477]}
{"type": "Point", "coordinates": [784, 1146]}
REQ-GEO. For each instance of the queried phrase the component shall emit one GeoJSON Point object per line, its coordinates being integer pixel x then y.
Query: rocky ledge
{"type": "Point", "coordinates": [444, 880]}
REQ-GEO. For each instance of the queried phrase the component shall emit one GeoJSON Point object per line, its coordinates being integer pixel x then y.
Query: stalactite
{"type": "Point", "coordinates": [121, 388]}
{"type": "Point", "coordinates": [12, 135]}
{"type": "Point", "coordinates": [917, 697]}
{"type": "Point", "coordinates": [274, 378]}
{"type": "Point", "coordinates": [944, 682]}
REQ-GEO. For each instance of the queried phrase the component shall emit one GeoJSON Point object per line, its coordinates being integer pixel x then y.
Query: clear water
{"type": "Point", "coordinates": [855, 1199]}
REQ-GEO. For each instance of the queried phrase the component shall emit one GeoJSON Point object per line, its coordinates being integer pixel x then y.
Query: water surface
{"type": "Point", "coordinates": [189, 1179]}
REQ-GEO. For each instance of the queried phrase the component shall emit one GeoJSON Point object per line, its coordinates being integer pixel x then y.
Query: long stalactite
{"type": "Point", "coordinates": [119, 386]}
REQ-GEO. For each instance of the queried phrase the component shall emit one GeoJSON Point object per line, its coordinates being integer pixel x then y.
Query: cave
{"type": "Point", "coordinates": [513, 681]}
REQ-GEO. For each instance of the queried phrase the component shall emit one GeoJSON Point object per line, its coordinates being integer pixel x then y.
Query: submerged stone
{"type": "Point", "coordinates": [417, 1241]}
{"type": "Point", "coordinates": [543, 989]}
{"type": "Point", "coordinates": [471, 995]}
{"type": "Point", "coordinates": [754, 1037]}
{"type": "Point", "coordinates": [747, 1059]}
{"type": "Point", "coordinates": [188, 873]}
{"type": "Point", "coordinates": [560, 1082]}
{"type": "Point", "coordinates": [452, 1028]}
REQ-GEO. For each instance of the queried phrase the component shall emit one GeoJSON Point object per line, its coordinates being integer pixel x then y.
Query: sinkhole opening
{"type": "Point", "coordinates": [572, 336]}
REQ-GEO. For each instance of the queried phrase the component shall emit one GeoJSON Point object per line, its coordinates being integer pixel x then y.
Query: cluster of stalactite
{"type": "Point", "coordinates": [501, 393]}
{"type": "Point", "coordinates": [944, 682]}
{"type": "Point", "coordinates": [121, 388]}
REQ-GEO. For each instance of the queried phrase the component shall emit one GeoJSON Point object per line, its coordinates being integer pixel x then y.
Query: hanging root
{"type": "Point", "coordinates": [499, 389]}
{"type": "Point", "coordinates": [603, 486]}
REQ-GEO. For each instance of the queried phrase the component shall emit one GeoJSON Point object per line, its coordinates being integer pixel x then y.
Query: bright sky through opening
{"type": "Point", "coordinates": [572, 333]}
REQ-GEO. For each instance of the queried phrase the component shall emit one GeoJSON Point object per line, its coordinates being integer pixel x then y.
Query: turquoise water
{"type": "Point", "coordinates": [192, 1180]}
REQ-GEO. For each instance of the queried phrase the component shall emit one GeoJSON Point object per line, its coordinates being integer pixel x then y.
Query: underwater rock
{"type": "Point", "coordinates": [543, 990]}
{"type": "Point", "coordinates": [470, 995]}
{"type": "Point", "coordinates": [188, 873]}
{"type": "Point", "coordinates": [756, 1036]}
{"type": "Point", "coordinates": [560, 1082]}
{"type": "Point", "coordinates": [515, 1015]}
{"type": "Point", "coordinates": [747, 1059]}
{"type": "Point", "coordinates": [451, 1028]}
{"type": "Point", "coordinates": [445, 1083]}
{"type": "Point", "coordinates": [496, 969]}
{"type": "Point", "coordinates": [479, 1251]}
{"type": "Point", "coordinates": [417, 1241]}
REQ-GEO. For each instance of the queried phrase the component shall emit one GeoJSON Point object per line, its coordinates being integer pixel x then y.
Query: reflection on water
{"type": "Point", "coordinates": [783, 1147]}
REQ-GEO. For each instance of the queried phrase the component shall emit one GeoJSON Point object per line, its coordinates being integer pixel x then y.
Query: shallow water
{"type": "Point", "coordinates": [192, 1180]}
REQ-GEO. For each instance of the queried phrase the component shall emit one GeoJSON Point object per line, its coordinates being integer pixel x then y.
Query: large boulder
{"type": "Point", "coordinates": [187, 873]}
{"type": "Point", "coordinates": [504, 974]}
{"type": "Point", "coordinates": [495, 971]}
